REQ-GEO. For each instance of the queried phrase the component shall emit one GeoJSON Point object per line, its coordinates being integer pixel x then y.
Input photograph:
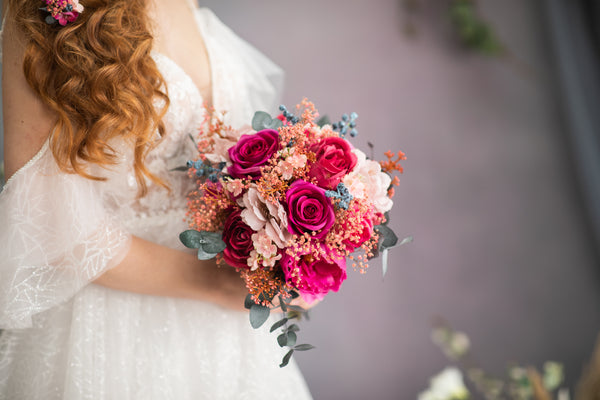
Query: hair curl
{"type": "Point", "coordinates": [99, 78]}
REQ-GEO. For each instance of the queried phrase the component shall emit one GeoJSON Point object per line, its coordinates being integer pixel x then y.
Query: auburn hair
{"type": "Point", "coordinates": [99, 78]}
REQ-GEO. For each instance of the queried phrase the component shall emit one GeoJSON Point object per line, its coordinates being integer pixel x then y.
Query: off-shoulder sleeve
{"type": "Point", "coordinates": [55, 237]}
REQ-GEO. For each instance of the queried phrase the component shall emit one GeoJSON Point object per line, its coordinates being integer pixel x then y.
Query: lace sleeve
{"type": "Point", "coordinates": [55, 237]}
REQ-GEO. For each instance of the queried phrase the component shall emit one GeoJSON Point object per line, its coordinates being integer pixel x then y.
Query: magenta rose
{"type": "Point", "coordinates": [313, 278]}
{"type": "Point", "coordinates": [252, 152]}
{"type": "Point", "coordinates": [359, 234]}
{"type": "Point", "coordinates": [334, 161]}
{"type": "Point", "coordinates": [308, 209]}
{"type": "Point", "coordinates": [238, 239]}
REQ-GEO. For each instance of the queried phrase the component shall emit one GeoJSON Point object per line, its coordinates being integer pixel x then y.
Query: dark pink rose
{"type": "Point", "coordinates": [309, 210]}
{"type": "Point", "coordinates": [334, 161]}
{"type": "Point", "coordinates": [359, 228]}
{"type": "Point", "coordinates": [238, 238]}
{"type": "Point", "coordinates": [252, 152]}
{"type": "Point", "coordinates": [359, 234]}
{"type": "Point", "coordinates": [313, 278]}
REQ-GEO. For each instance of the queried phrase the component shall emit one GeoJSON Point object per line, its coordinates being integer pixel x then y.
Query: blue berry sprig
{"type": "Point", "coordinates": [288, 115]}
{"type": "Point", "coordinates": [348, 123]}
{"type": "Point", "coordinates": [205, 168]}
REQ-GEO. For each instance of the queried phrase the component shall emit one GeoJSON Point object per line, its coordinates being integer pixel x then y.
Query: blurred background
{"type": "Point", "coordinates": [498, 191]}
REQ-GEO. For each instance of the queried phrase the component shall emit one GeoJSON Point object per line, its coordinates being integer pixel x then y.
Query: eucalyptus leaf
{"type": "Point", "coordinates": [203, 255]}
{"type": "Point", "coordinates": [297, 308]}
{"type": "Point", "coordinates": [304, 347]}
{"type": "Point", "coordinates": [183, 168]}
{"type": "Point", "coordinates": [263, 120]}
{"type": "Point", "coordinates": [278, 324]}
{"type": "Point", "coordinates": [258, 315]}
{"type": "Point", "coordinates": [406, 240]}
{"type": "Point", "coordinates": [191, 238]}
{"type": "Point", "coordinates": [282, 304]}
{"type": "Point", "coordinates": [291, 339]}
{"type": "Point", "coordinates": [248, 302]}
{"type": "Point", "coordinates": [282, 340]}
{"type": "Point", "coordinates": [293, 328]}
{"type": "Point", "coordinates": [214, 246]}
{"type": "Point", "coordinates": [294, 294]}
{"type": "Point", "coordinates": [388, 238]}
{"type": "Point", "coordinates": [384, 262]}
{"type": "Point", "coordinates": [324, 120]}
{"type": "Point", "coordinates": [286, 358]}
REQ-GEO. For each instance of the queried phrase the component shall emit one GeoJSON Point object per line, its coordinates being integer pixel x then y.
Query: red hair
{"type": "Point", "coordinates": [99, 78]}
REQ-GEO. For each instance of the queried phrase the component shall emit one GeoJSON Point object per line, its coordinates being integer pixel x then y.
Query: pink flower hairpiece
{"type": "Point", "coordinates": [62, 11]}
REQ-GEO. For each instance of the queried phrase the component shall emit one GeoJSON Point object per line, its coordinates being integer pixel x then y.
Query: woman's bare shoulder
{"type": "Point", "coordinates": [27, 120]}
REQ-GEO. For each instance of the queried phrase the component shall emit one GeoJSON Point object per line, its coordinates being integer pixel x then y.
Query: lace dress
{"type": "Point", "coordinates": [66, 338]}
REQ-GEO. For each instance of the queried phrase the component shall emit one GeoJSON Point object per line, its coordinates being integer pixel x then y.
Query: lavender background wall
{"type": "Point", "coordinates": [502, 247]}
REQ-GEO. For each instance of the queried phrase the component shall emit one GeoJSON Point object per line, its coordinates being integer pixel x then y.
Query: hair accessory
{"type": "Point", "coordinates": [62, 11]}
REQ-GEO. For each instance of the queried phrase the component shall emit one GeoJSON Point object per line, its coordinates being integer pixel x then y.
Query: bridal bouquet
{"type": "Point", "coordinates": [287, 202]}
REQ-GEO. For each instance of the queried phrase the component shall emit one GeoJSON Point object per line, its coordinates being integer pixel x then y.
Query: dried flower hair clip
{"type": "Point", "coordinates": [62, 11]}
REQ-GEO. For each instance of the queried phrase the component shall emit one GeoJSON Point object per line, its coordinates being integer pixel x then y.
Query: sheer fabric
{"type": "Point", "coordinates": [66, 338]}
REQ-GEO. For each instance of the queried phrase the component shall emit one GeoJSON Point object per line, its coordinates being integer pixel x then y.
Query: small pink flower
{"type": "Point", "coordinates": [263, 244]}
{"type": "Point", "coordinates": [235, 187]}
{"type": "Point", "coordinates": [286, 168]}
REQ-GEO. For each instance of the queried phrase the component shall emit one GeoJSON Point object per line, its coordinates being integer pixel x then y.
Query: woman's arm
{"type": "Point", "coordinates": [149, 268]}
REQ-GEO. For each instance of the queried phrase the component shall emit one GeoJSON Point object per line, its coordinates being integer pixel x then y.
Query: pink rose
{"type": "Point", "coordinates": [238, 238]}
{"type": "Point", "coordinates": [334, 161]}
{"type": "Point", "coordinates": [252, 152]}
{"type": "Point", "coordinates": [309, 209]}
{"type": "Point", "coordinates": [313, 278]}
{"type": "Point", "coordinates": [359, 234]}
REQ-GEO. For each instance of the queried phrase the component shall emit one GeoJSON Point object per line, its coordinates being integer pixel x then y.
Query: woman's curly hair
{"type": "Point", "coordinates": [99, 78]}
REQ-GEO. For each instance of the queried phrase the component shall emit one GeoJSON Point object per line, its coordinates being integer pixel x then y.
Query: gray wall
{"type": "Point", "coordinates": [502, 248]}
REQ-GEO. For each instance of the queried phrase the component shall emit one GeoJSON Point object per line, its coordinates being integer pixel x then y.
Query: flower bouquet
{"type": "Point", "coordinates": [287, 202]}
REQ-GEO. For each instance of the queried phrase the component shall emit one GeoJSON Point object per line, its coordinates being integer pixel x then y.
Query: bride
{"type": "Point", "coordinates": [98, 299]}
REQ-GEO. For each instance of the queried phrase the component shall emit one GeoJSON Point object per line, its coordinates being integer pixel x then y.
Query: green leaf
{"type": "Point", "coordinates": [294, 294]}
{"type": "Point", "coordinates": [304, 347]}
{"type": "Point", "coordinates": [214, 245]}
{"type": "Point", "coordinates": [384, 262]}
{"type": "Point", "coordinates": [191, 238]}
{"type": "Point", "coordinates": [388, 238]}
{"type": "Point", "coordinates": [248, 302]}
{"type": "Point", "coordinates": [262, 120]}
{"type": "Point", "coordinates": [297, 308]}
{"type": "Point", "coordinates": [286, 358]}
{"type": "Point", "coordinates": [183, 168]}
{"type": "Point", "coordinates": [278, 324]}
{"type": "Point", "coordinates": [293, 328]}
{"type": "Point", "coordinates": [258, 315]}
{"type": "Point", "coordinates": [282, 340]}
{"type": "Point", "coordinates": [203, 255]}
{"type": "Point", "coordinates": [291, 339]}
{"type": "Point", "coordinates": [406, 240]}
{"type": "Point", "coordinates": [282, 304]}
{"type": "Point", "coordinates": [324, 120]}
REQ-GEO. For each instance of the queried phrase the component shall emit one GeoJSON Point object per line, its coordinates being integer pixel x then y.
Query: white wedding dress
{"type": "Point", "coordinates": [66, 338]}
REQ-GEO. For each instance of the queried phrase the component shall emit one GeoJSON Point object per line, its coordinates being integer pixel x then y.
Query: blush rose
{"type": "Point", "coordinates": [238, 239]}
{"type": "Point", "coordinates": [309, 209]}
{"type": "Point", "coordinates": [252, 152]}
{"type": "Point", "coordinates": [334, 160]}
